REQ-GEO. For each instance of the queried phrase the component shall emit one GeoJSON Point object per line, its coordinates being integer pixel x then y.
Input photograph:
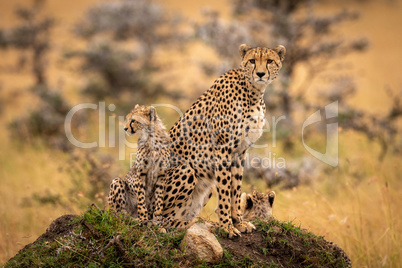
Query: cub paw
{"type": "Point", "coordinates": [245, 227]}
{"type": "Point", "coordinates": [162, 230]}
{"type": "Point", "coordinates": [144, 221]}
{"type": "Point", "coordinates": [157, 220]}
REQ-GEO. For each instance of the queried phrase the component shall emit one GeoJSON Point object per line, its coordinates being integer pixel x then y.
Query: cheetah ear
{"type": "Point", "coordinates": [243, 49]}
{"type": "Point", "coordinates": [271, 198]}
{"type": "Point", "coordinates": [249, 202]}
{"type": "Point", "coordinates": [152, 113]}
{"type": "Point", "coordinates": [281, 50]}
{"type": "Point", "coordinates": [245, 202]}
{"type": "Point", "coordinates": [255, 194]}
{"type": "Point", "coordinates": [136, 106]}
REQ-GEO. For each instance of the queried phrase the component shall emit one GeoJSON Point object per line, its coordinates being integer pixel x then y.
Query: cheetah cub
{"type": "Point", "coordinates": [257, 205]}
{"type": "Point", "coordinates": [140, 192]}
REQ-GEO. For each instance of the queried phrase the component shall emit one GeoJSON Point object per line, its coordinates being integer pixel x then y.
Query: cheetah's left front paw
{"type": "Point", "coordinates": [245, 227]}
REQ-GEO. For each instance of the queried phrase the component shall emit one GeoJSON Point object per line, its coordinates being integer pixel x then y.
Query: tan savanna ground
{"type": "Point", "coordinates": [362, 216]}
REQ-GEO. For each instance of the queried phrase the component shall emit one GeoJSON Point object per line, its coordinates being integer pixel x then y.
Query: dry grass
{"type": "Point", "coordinates": [356, 206]}
{"type": "Point", "coordinates": [25, 171]}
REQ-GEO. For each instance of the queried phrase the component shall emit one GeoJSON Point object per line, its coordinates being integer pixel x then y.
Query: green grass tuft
{"type": "Point", "coordinates": [89, 244]}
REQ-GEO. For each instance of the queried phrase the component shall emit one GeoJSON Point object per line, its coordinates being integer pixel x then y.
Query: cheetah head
{"type": "Point", "coordinates": [139, 120]}
{"type": "Point", "coordinates": [257, 205]}
{"type": "Point", "coordinates": [261, 65]}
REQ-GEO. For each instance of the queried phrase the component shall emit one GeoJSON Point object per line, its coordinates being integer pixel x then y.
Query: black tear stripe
{"type": "Point", "coordinates": [269, 73]}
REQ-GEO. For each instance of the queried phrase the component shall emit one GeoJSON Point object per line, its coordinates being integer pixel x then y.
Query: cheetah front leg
{"type": "Point", "coordinates": [223, 177]}
{"type": "Point", "coordinates": [139, 186]}
{"type": "Point", "coordinates": [117, 195]}
{"type": "Point", "coordinates": [237, 175]}
{"type": "Point", "coordinates": [157, 213]}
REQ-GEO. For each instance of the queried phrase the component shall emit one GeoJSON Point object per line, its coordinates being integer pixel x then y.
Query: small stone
{"type": "Point", "coordinates": [200, 243]}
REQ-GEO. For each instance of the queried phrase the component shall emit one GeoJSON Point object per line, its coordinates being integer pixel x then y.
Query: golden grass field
{"type": "Point", "coordinates": [357, 205]}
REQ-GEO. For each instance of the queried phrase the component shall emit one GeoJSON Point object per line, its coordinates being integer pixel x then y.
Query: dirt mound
{"type": "Point", "coordinates": [86, 240]}
{"type": "Point", "coordinates": [285, 250]}
{"type": "Point", "coordinates": [58, 227]}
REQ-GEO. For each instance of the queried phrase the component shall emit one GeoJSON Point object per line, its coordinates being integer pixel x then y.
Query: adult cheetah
{"type": "Point", "coordinates": [214, 135]}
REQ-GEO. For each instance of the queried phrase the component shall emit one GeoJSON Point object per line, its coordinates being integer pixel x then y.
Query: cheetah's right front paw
{"type": "Point", "coordinates": [231, 231]}
{"type": "Point", "coordinates": [245, 227]}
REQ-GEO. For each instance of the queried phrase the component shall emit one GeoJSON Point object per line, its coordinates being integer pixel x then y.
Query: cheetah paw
{"type": "Point", "coordinates": [157, 221]}
{"type": "Point", "coordinates": [144, 222]}
{"type": "Point", "coordinates": [245, 227]}
{"type": "Point", "coordinates": [162, 230]}
{"type": "Point", "coordinates": [231, 231]}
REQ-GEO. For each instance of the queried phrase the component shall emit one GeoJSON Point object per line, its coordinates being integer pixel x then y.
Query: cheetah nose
{"type": "Point", "coordinates": [260, 74]}
{"type": "Point", "coordinates": [126, 128]}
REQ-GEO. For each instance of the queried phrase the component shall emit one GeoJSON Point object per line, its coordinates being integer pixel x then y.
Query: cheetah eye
{"type": "Point", "coordinates": [132, 121]}
{"type": "Point", "coordinates": [252, 61]}
{"type": "Point", "coordinates": [270, 61]}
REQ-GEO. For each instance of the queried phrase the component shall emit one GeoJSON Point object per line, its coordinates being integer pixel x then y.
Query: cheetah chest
{"type": "Point", "coordinates": [254, 125]}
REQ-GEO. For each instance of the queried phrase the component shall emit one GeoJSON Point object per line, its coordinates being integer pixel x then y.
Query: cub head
{"type": "Point", "coordinates": [257, 205]}
{"type": "Point", "coordinates": [261, 65]}
{"type": "Point", "coordinates": [140, 119]}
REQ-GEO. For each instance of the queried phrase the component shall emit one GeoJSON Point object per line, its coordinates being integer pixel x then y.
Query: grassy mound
{"type": "Point", "coordinates": [102, 238]}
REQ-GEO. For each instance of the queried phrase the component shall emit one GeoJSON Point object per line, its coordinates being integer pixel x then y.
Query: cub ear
{"type": "Point", "coordinates": [249, 202]}
{"type": "Point", "coordinates": [136, 106]}
{"type": "Point", "coordinates": [245, 202]}
{"type": "Point", "coordinates": [271, 198]}
{"type": "Point", "coordinates": [255, 194]}
{"type": "Point", "coordinates": [243, 49]}
{"type": "Point", "coordinates": [152, 113]}
{"type": "Point", "coordinates": [281, 50]}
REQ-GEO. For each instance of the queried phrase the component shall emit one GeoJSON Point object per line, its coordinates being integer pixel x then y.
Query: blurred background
{"type": "Point", "coordinates": [56, 55]}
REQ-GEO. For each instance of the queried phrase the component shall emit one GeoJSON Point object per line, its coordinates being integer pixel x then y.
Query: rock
{"type": "Point", "coordinates": [200, 243]}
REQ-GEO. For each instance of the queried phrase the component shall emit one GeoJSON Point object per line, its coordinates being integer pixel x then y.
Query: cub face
{"type": "Point", "coordinates": [139, 120]}
{"type": "Point", "coordinates": [261, 65]}
{"type": "Point", "coordinates": [257, 205]}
